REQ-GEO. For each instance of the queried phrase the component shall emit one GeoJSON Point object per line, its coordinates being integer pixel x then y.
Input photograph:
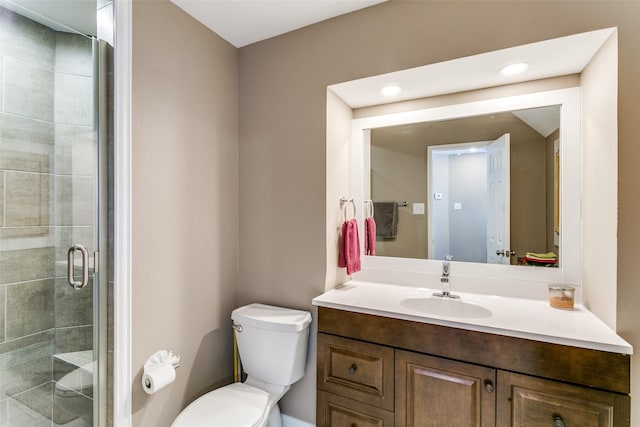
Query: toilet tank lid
{"type": "Point", "coordinates": [271, 317]}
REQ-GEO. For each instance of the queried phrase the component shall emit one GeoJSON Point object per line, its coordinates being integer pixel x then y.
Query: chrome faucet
{"type": "Point", "coordinates": [444, 279]}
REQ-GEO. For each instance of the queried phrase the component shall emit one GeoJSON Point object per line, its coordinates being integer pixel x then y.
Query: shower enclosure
{"type": "Point", "coordinates": [53, 227]}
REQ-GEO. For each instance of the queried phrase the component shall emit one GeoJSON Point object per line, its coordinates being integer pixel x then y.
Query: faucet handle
{"type": "Point", "coordinates": [446, 265]}
{"type": "Point", "coordinates": [444, 279]}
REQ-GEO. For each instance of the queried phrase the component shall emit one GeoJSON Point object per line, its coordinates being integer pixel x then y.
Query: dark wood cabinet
{"type": "Point", "coordinates": [525, 401]}
{"type": "Point", "coordinates": [358, 370]}
{"type": "Point", "coordinates": [379, 371]}
{"type": "Point", "coordinates": [338, 411]}
{"type": "Point", "coordinates": [436, 392]}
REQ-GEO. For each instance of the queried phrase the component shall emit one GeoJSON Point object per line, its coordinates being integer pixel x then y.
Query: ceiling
{"type": "Point", "coordinates": [243, 22]}
{"type": "Point", "coordinates": [240, 22]}
{"type": "Point", "coordinates": [544, 120]}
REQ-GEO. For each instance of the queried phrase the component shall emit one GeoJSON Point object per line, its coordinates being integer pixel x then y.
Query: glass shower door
{"type": "Point", "coordinates": [48, 226]}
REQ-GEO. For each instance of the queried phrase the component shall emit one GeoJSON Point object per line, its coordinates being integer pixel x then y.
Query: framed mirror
{"type": "Point", "coordinates": [477, 189]}
{"type": "Point", "coordinates": [563, 217]}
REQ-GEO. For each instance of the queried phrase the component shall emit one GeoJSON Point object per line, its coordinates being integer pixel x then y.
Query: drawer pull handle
{"type": "Point", "coordinates": [557, 421]}
{"type": "Point", "coordinates": [488, 386]}
{"type": "Point", "coordinates": [354, 425]}
{"type": "Point", "coordinates": [353, 368]}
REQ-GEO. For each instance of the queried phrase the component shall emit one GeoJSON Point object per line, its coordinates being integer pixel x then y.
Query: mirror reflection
{"type": "Point", "coordinates": [482, 189]}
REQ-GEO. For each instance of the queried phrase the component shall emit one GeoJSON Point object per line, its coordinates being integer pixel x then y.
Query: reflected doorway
{"type": "Point", "coordinates": [469, 201]}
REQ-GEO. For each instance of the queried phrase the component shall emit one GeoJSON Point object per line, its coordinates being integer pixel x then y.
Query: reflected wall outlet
{"type": "Point", "coordinates": [457, 206]}
{"type": "Point", "coordinates": [418, 208]}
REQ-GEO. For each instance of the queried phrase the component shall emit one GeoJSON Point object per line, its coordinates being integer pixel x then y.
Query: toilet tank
{"type": "Point", "coordinates": [272, 342]}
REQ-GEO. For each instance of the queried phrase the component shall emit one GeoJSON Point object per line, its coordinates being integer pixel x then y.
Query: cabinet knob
{"type": "Point", "coordinates": [352, 369]}
{"type": "Point", "coordinates": [557, 421]}
{"type": "Point", "coordinates": [488, 386]}
{"type": "Point", "coordinates": [354, 425]}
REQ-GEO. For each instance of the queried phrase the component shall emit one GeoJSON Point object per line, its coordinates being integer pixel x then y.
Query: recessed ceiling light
{"type": "Point", "coordinates": [390, 90]}
{"type": "Point", "coordinates": [512, 69]}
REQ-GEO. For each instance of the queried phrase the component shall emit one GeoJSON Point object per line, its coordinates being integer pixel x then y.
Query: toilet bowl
{"type": "Point", "coordinates": [72, 396]}
{"type": "Point", "coordinates": [272, 343]}
{"type": "Point", "coordinates": [78, 381]}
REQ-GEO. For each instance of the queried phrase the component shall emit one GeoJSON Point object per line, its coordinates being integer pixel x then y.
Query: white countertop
{"type": "Point", "coordinates": [514, 317]}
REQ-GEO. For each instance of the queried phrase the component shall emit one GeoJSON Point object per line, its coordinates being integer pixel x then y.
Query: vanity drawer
{"type": "Point", "coordinates": [357, 370]}
{"type": "Point", "coordinates": [338, 411]}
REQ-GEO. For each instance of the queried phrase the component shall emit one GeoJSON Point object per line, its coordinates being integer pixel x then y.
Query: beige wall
{"type": "Point", "coordinates": [282, 110]}
{"type": "Point", "coordinates": [185, 209]}
{"type": "Point", "coordinates": [399, 175]}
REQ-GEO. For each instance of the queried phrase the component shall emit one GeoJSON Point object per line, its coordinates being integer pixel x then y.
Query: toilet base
{"type": "Point", "coordinates": [275, 419]}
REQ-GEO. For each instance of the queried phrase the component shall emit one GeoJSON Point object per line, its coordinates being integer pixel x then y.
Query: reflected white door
{"type": "Point", "coordinates": [498, 213]}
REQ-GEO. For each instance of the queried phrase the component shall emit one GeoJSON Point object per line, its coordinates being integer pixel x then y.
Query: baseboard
{"type": "Point", "coordinates": [288, 421]}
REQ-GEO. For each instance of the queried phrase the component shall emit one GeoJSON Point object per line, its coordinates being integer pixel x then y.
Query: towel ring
{"type": "Point", "coordinates": [369, 208]}
{"type": "Point", "coordinates": [343, 206]}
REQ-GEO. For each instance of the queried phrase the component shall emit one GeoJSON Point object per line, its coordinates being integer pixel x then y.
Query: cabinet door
{"type": "Point", "coordinates": [338, 411]}
{"type": "Point", "coordinates": [436, 392]}
{"type": "Point", "coordinates": [525, 401]}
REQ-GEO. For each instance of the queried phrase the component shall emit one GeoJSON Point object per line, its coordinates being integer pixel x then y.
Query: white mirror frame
{"type": "Point", "coordinates": [570, 268]}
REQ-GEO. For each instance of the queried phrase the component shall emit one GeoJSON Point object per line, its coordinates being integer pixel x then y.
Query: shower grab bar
{"type": "Point", "coordinates": [70, 266]}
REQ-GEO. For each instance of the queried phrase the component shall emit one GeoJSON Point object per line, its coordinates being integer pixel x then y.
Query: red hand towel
{"type": "Point", "coordinates": [342, 259]}
{"type": "Point", "coordinates": [352, 247]}
{"type": "Point", "coordinates": [369, 236]}
{"type": "Point", "coordinates": [349, 253]}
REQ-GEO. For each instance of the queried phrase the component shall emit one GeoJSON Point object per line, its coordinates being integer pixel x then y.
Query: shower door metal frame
{"type": "Point", "coordinates": [123, 366]}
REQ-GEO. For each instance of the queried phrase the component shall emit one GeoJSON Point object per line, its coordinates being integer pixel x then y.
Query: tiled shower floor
{"type": "Point", "coordinates": [19, 415]}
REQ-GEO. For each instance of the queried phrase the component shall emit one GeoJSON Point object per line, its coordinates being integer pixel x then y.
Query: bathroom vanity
{"type": "Point", "coordinates": [383, 362]}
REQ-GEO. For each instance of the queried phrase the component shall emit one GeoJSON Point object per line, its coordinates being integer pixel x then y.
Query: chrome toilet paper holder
{"type": "Point", "coordinates": [159, 370]}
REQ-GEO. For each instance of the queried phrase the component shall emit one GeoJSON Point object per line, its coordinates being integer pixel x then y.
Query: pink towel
{"type": "Point", "coordinates": [349, 252]}
{"type": "Point", "coordinates": [342, 259]}
{"type": "Point", "coordinates": [369, 236]}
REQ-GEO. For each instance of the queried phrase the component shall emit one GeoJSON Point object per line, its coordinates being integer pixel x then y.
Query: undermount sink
{"type": "Point", "coordinates": [446, 307]}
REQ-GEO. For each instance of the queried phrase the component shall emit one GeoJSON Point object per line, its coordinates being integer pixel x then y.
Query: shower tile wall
{"type": "Point", "coordinates": [106, 8]}
{"type": "Point", "coordinates": [47, 163]}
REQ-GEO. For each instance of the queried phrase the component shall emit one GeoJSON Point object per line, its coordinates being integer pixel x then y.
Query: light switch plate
{"type": "Point", "coordinates": [418, 208]}
{"type": "Point", "coordinates": [457, 206]}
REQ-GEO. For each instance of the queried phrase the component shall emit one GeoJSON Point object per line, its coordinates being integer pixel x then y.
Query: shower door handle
{"type": "Point", "coordinates": [70, 266]}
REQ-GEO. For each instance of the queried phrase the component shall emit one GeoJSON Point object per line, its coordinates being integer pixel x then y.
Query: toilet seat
{"type": "Point", "coordinates": [235, 405]}
{"type": "Point", "coordinates": [80, 380]}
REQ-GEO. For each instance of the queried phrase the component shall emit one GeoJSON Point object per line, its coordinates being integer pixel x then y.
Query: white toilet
{"type": "Point", "coordinates": [272, 342]}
